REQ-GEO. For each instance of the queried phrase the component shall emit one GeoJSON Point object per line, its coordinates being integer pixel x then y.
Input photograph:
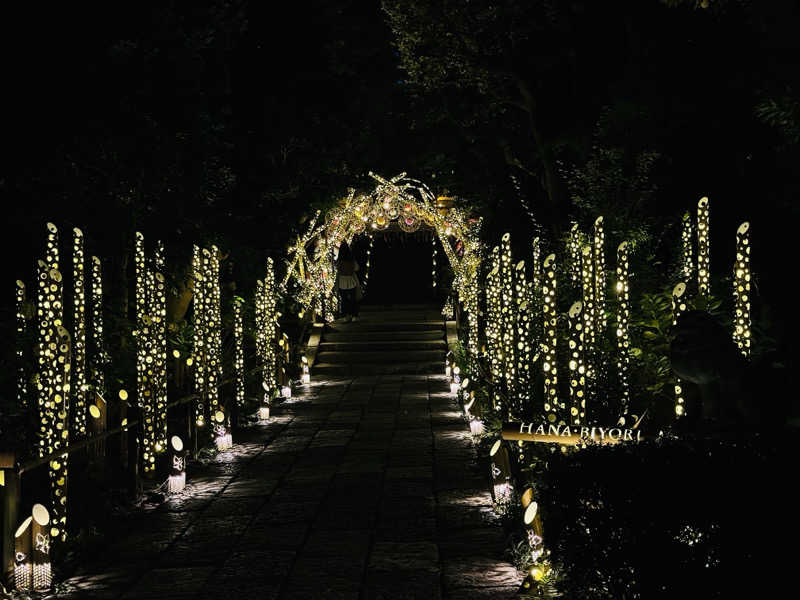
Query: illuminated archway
{"type": "Point", "coordinates": [410, 205]}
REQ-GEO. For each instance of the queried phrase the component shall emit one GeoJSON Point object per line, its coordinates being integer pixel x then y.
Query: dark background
{"type": "Point", "coordinates": [228, 122]}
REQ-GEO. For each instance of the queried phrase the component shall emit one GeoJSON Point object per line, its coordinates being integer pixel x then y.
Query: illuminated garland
{"type": "Point", "coordinates": [623, 320]}
{"type": "Point", "coordinates": [574, 252]}
{"type": "Point", "coordinates": [98, 346]}
{"type": "Point", "coordinates": [22, 325]}
{"type": "Point", "coordinates": [703, 248]}
{"type": "Point", "coordinates": [678, 308]}
{"type": "Point", "coordinates": [524, 309]}
{"type": "Point", "coordinates": [508, 316]}
{"type": "Point", "coordinates": [238, 343]}
{"type": "Point", "coordinates": [687, 251]}
{"type": "Point", "coordinates": [79, 333]}
{"type": "Point", "coordinates": [599, 278]}
{"type": "Point", "coordinates": [550, 358]}
{"type": "Point", "coordinates": [577, 368]}
{"type": "Point", "coordinates": [741, 290]}
{"type": "Point", "coordinates": [369, 261]}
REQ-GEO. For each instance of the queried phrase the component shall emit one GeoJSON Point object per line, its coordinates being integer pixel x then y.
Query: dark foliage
{"type": "Point", "coordinates": [668, 519]}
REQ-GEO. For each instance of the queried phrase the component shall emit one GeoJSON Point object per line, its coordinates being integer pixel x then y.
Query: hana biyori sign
{"type": "Point", "coordinates": [569, 435]}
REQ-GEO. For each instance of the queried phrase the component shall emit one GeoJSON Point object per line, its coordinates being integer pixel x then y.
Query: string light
{"type": "Point", "coordinates": [599, 278]}
{"type": "Point", "coordinates": [687, 251]}
{"type": "Point", "coordinates": [703, 247]}
{"type": "Point", "coordinates": [79, 333]}
{"type": "Point", "coordinates": [741, 290]}
{"type": "Point", "coordinates": [238, 344]}
{"type": "Point", "coordinates": [22, 325]}
{"type": "Point", "coordinates": [678, 308]}
{"type": "Point", "coordinates": [577, 368]}
{"type": "Point", "coordinates": [623, 320]}
{"type": "Point", "coordinates": [549, 366]}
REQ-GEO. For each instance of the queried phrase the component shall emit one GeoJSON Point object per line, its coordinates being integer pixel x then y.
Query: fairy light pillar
{"type": "Point", "coordinates": [98, 346]}
{"type": "Point", "coordinates": [79, 334]}
{"type": "Point", "coordinates": [269, 324]}
{"type": "Point", "coordinates": [577, 368]}
{"type": "Point", "coordinates": [678, 308]}
{"type": "Point", "coordinates": [599, 278]}
{"type": "Point", "coordinates": [508, 316]}
{"type": "Point", "coordinates": [145, 356]}
{"type": "Point", "coordinates": [58, 466]}
{"type": "Point", "coordinates": [493, 308]}
{"type": "Point", "coordinates": [741, 291]}
{"type": "Point", "coordinates": [687, 251]}
{"type": "Point", "coordinates": [197, 359]}
{"type": "Point", "coordinates": [623, 320]}
{"type": "Point", "coordinates": [433, 259]}
{"type": "Point", "coordinates": [589, 320]}
{"type": "Point", "coordinates": [213, 339]}
{"type": "Point", "coordinates": [549, 362]}
{"type": "Point", "coordinates": [703, 247]}
{"type": "Point", "coordinates": [238, 344]}
{"type": "Point", "coordinates": [574, 249]}
{"type": "Point", "coordinates": [22, 325]}
{"type": "Point", "coordinates": [524, 308]}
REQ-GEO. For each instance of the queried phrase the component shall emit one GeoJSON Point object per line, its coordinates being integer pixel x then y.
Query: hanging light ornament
{"type": "Point", "coordinates": [599, 278]}
{"type": "Point", "coordinates": [741, 290]}
{"type": "Point", "coordinates": [678, 308]}
{"type": "Point", "coordinates": [703, 248]}
{"type": "Point", "coordinates": [549, 366]}
{"type": "Point", "coordinates": [577, 368]}
{"type": "Point", "coordinates": [687, 251]}
{"type": "Point", "coordinates": [79, 334]}
{"type": "Point", "coordinates": [623, 320]}
{"type": "Point", "coordinates": [433, 254]}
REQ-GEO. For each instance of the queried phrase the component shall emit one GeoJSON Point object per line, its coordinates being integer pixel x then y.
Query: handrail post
{"type": "Point", "coordinates": [11, 499]}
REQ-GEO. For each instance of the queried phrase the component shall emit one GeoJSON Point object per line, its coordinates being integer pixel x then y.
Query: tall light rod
{"type": "Point", "coordinates": [524, 308]}
{"type": "Point", "coordinates": [687, 250]}
{"type": "Point", "coordinates": [22, 325]}
{"type": "Point", "coordinates": [574, 247]}
{"type": "Point", "coordinates": [238, 343]}
{"type": "Point", "coordinates": [98, 345]}
{"type": "Point", "coordinates": [741, 291]}
{"type": "Point", "coordinates": [703, 248]}
{"type": "Point", "coordinates": [508, 315]}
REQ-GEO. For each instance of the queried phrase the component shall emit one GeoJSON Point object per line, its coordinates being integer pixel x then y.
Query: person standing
{"type": "Point", "coordinates": [348, 283]}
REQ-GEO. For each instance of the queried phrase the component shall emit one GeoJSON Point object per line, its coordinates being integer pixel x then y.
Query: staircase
{"type": "Point", "coordinates": [400, 338]}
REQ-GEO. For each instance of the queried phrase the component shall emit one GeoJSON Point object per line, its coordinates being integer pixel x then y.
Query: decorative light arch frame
{"type": "Point", "coordinates": [409, 204]}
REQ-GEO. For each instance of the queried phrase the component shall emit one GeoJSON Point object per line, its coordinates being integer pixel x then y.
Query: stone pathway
{"type": "Point", "coordinates": [361, 488]}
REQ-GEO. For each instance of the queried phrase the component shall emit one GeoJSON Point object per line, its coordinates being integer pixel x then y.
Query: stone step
{"type": "Point", "coordinates": [383, 336]}
{"type": "Point", "coordinates": [379, 345]}
{"type": "Point", "coordinates": [368, 325]}
{"type": "Point", "coordinates": [382, 357]}
{"type": "Point", "coordinates": [409, 368]}
{"type": "Point", "coordinates": [399, 307]}
{"type": "Point", "coordinates": [402, 315]}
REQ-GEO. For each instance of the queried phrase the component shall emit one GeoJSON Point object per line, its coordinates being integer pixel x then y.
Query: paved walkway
{"type": "Point", "coordinates": [362, 488]}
